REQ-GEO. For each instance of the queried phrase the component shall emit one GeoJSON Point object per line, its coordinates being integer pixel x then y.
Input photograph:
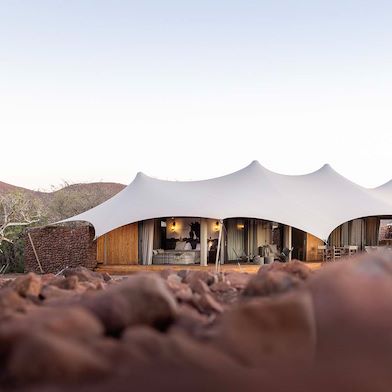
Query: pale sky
{"type": "Point", "coordinates": [99, 90]}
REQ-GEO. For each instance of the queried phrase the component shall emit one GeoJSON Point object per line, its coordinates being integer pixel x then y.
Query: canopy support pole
{"type": "Point", "coordinates": [218, 250]}
{"type": "Point", "coordinates": [35, 253]}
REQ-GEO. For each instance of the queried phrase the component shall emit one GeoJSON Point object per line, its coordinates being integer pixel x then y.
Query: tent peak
{"type": "Point", "coordinates": [328, 168]}
{"type": "Point", "coordinates": [387, 184]}
{"type": "Point", "coordinates": [256, 165]}
{"type": "Point", "coordinates": [140, 175]}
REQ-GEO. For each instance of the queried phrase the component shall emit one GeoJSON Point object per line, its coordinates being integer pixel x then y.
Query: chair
{"type": "Point", "coordinates": [241, 257]}
{"type": "Point", "coordinates": [351, 250]}
{"type": "Point", "coordinates": [338, 252]}
{"type": "Point", "coordinates": [285, 254]}
{"type": "Point", "coordinates": [321, 252]}
{"type": "Point", "coordinates": [273, 251]}
{"type": "Point", "coordinates": [329, 253]}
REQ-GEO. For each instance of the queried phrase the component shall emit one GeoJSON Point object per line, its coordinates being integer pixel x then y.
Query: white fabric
{"type": "Point", "coordinates": [147, 241]}
{"type": "Point", "coordinates": [180, 245]}
{"type": "Point", "coordinates": [188, 246]}
{"type": "Point", "coordinates": [357, 233]}
{"type": "Point", "coordinates": [235, 239]}
{"type": "Point", "coordinates": [202, 246]}
{"type": "Point", "coordinates": [345, 241]}
{"type": "Point", "coordinates": [315, 203]}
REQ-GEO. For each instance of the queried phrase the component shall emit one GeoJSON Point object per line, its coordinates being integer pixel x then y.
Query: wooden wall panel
{"type": "Point", "coordinates": [134, 259]}
{"type": "Point", "coordinates": [312, 243]}
{"type": "Point", "coordinates": [101, 249]}
{"type": "Point", "coordinates": [119, 246]}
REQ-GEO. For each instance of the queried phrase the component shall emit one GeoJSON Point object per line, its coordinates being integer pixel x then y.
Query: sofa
{"type": "Point", "coordinates": [182, 254]}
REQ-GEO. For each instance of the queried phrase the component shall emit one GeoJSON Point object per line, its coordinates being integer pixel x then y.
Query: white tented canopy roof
{"type": "Point", "coordinates": [316, 203]}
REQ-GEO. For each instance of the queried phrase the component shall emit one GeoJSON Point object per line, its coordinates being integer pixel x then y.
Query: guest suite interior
{"type": "Point", "coordinates": [194, 241]}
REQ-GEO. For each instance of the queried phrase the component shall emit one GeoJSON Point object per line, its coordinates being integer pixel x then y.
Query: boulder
{"type": "Point", "coordinates": [269, 283]}
{"type": "Point", "coordinates": [28, 285]}
{"type": "Point", "coordinates": [222, 287]}
{"type": "Point", "coordinates": [51, 292]}
{"type": "Point", "coordinates": [294, 267]}
{"type": "Point", "coordinates": [205, 276]}
{"type": "Point", "coordinates": [46, 357]}
{"type": "Point", "coordinates": [181, 291]}
{"type": "Point", "coordinates": [84, 274]}
{"type": "Point", "coordinates": [190, 319]}
{"type": "Point", "coordinates": [176, 350]}
{"type": "Point", "coordinates": [173, 278]}
{"type": "Point", "coordinates": [199, 286]}
{"type": "Point", "coordinates": [353, 307]}
{"type": "Point", "coordinates": [11, 300]}
{"type": "Point", "coordinates": [207, 304]}
{"type": "Point", "coordinates": [140, 299]}
{"type": "Point", "coordinates": [66, 283]}
{"type": "Point", "coordinates": [74, 323]}
{"type": "Point", "coordinates": [269, 331]}
{"type": "Point", "coordinates": [238, 280]}
{"type": "Point", "coordinates": [168, 272]}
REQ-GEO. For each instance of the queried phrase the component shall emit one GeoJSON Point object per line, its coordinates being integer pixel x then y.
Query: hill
{"type": "Point", "coordinates": [69, 200]}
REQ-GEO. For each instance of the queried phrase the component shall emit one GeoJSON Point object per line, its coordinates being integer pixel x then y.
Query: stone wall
{"type": "Point", "coordinates": [59, 247]}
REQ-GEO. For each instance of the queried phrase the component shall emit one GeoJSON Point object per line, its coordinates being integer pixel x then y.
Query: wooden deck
{"type": "Point", "coordinates": [130, 269]}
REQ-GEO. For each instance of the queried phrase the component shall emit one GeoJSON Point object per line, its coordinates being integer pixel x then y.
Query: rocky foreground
{"type": "Point", "coordinates": [285, 329]}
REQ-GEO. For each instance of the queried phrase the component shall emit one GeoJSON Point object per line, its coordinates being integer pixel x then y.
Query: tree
{"type": "Point", "coordinates": [17, 210]}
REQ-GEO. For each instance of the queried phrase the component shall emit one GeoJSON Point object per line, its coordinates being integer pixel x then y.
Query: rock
{"type": "Point", "coordinates": [198, 286]}
{"type": "Point", "coordinates": [83, 286]}
{"type": "Point", "coordinates": [43, 357]}
{"type": "Point", "coordinates": [207, 304]}
{"type": "Point", "coordinates": [204, 276]}
{"type": "Point", "coordinates": [294, 267]}
{"type": "Point", "coordinates": [143, 343]}
{"type": "Point", "coordinates": [269, 330]}
{"type": "Point", "coordinates": [220, 287]}
{"type": "Point", "coordinates": [168, 272]}
{"type": "Point", "coordinates": [238, 280]}
{"type": "Point", "coordinates": [224, 292]}
{"type": "Point", "coordinates": [175, 349]}
{"type": "Point", "coordinates": [73, 323]}
{"type": "Point", "coordinates": [84, 274]}
{"type": "Point", "coordinates": [66, 283]}
{"type": "Point", "coordinates": [27, 285]}
{"type": "Point", "coordinates": [353, 307]}
{"type": "Point", "coordinates": [140, 299]}
{"type": "Point", "coordinates": [48, 278]}
{"type": "Point", "coordinates": [198, 355]}
{"type": "Point", "coordinates": [5, 282]}
{"type": "Point", "coordinates": [173, 278]}
{"type": "Point", "coordinates": [11, 303]}
{"type": "Point", "coordinates": [189, 319]}
{"type": "Point", "coordinates": [183, 274]}
{"type": "Point", "coordinates": [53, 292]}
{"type": "Point", "coordinates": [270, 283]}
{"type": "Point", "coordinates": [106, 277]}
{"type": "Point", "coordinates": [181, 290]}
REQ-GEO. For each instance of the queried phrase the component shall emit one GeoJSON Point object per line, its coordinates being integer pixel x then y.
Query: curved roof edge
{"type": "Point", "coordinates": [315, 202]}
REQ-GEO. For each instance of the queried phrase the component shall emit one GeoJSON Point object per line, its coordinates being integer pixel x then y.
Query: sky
{"type": "Point", "coordinates": [187, 90]}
